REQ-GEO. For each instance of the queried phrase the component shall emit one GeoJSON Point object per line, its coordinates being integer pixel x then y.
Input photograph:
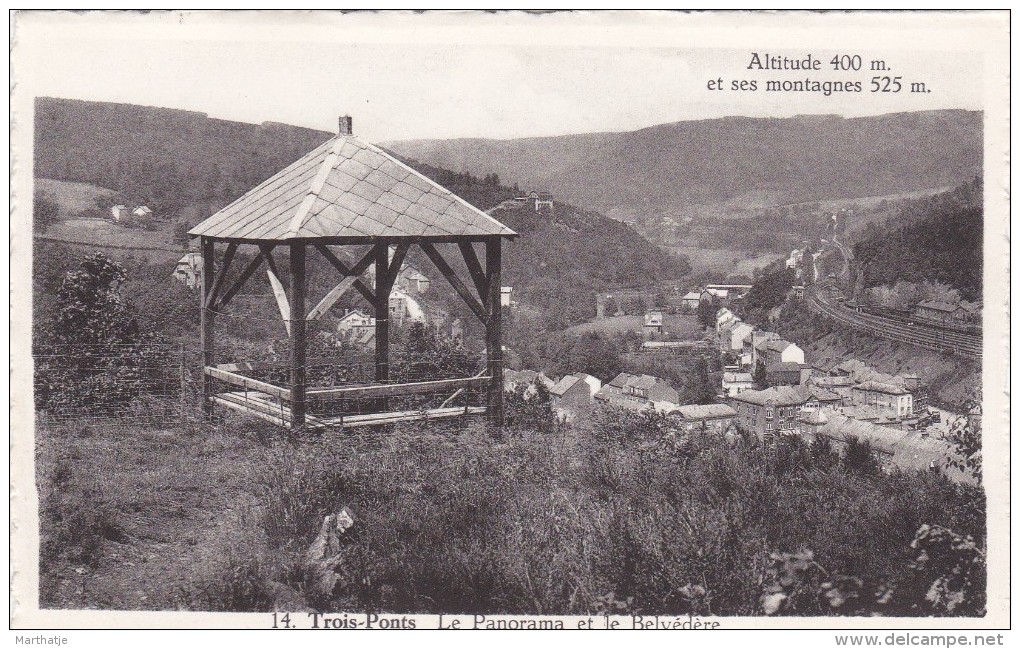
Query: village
{"type": "Point", "coordinates": [767, 387]}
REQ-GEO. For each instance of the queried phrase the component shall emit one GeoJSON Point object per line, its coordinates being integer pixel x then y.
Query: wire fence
{"type": "Point", "coordinates": [162, 384]}
{"type": "Point", "coordinates": [151, 382]}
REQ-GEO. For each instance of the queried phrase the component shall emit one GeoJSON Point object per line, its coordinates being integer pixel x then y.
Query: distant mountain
{"type": "Point", "coordinates": [666, 169]}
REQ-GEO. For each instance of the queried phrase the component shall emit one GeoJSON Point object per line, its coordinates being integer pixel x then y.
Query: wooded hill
{"type": "Point", "coordinates": [937, 238]}
{"type": "Point", "coordinates": [186, 165]}
{"type": "Point", "coordinates": [667, 168]}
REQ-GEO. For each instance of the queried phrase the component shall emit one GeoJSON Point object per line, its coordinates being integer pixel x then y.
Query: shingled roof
{"type": "Point", "coordinates": [351, 189]}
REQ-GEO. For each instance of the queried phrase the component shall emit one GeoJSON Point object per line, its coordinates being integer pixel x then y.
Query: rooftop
{"type": "Point", "coordinates": [347, 188]}
{"type": "Point", "coordinates": [781, 395]}
{"type": "Point", "coordinates": [707, 411]}
{"type": "Point", "coordinates": [885, 388]}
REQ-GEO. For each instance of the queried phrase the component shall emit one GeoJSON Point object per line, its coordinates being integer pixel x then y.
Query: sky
{"type": "Point", "coordinates": [407, 76]}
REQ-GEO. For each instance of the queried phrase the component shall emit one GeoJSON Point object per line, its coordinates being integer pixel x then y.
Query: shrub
{"type": "Point", "coordinates": [609, 517]}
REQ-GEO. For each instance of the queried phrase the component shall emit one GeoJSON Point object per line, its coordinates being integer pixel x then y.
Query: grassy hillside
{"type": "Point", "coordinates": [762, 162]}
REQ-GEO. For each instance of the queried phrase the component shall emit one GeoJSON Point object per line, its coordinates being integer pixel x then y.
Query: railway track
{"type": "Point", "coordinates": [940, 340]}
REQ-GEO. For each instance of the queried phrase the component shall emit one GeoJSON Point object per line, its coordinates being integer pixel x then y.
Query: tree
{"type": "Point", "coordinates": [90, 308]}
{"type": "Point", "coordinates": [760, 376]}
{"type": "Point", "coordinates": [706, 313]}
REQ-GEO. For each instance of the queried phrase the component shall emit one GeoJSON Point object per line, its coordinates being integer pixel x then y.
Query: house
{"type": "Point", "coordinates": [506, 295]}
{"type": "Point", "coordinates": [357, 326]}
{"type": "Point", "coordinates": [894, 448]}
{"type": "Point", "coordinates": [734, 383]}
{"type": "Point", "coordinates": [732, 290]}
{"type": "Point", "coordinates": [780, 351]}
{"type": "Point", "coordinates": [715, 417]}
{"type": "Point", "coordinates": [412, 280]}
{"type": "Point", "coordinates": [118, 212]}
{"type": "Point", "coordinates": [354, 319]}
{"type": "Point", "coordinates": [753, 343]}
{"type": "Point", "coordinates": [572, 395]}
{"type": "Point", "coordinates": [653, 323]}
{"type": "Point", "coordinates": [797, 291]}
{"type": "Point", "coordinates": [141, 212]}
{"type": "Point", "coordinates": [715, 295]}
{"type": "Point", "coordinates": [773, 411]}
{"type": "Point", "coordinates": [651, 388]}
{"type": "Point", "coordinates": [820, 398]}
{"type": "Point", "coordinates": [692, 300]}
{"type": "Point", "coordinates": [731, 336]}
{"type": "Point", "coordinates": [787, 373]}
{"type": "Point", "coordinates": [457, 331]}
{"type": "Point", "coordinates": [403, 308]}
{"type": "Point", "coordinates": [540, 200]}
{"type": "Point", "coordinates": [638, 392]}
{"type": "Point", "coordinates": [945, 312]}
{"type": "Point", "coordinates": [795, 258]}
{"type": "Point", "coordinates": [885, 395]}
{"type": "Point", "coordinates": [189, 270]}
{"type": "Point", "coordinates": [723, 317]}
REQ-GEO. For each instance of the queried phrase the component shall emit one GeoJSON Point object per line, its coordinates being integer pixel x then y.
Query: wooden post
{"type": "Point", "coordinates": [297, 335]}
{"type": "Point", "coordinates": [208, 316]}
{"type": "Point", "coordinates": [494, 331]}
{"type": "Point", "coordinates": [382, 314]}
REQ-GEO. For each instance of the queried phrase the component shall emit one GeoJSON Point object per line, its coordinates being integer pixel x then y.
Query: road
{"type": "Point", "coordinates": [933, 338]}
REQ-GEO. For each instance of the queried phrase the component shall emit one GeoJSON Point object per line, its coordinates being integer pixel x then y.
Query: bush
{"type": "Point", "coordinates": [609, 517]}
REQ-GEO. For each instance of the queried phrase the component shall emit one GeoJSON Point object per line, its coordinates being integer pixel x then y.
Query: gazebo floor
{"type": "Point", "coordinates": [264, 406]}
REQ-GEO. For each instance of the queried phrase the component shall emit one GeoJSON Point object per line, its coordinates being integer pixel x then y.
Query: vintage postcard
{"type": "Point", "coordinates": [511, 320]}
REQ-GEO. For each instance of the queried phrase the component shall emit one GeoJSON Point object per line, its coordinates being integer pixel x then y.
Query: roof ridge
{"type": "Point", "coordinates": [328, 164]}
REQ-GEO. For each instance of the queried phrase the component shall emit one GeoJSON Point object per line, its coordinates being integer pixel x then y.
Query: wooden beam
{"type": "Point", "coordinates": [494, 331]}
{"type": "Point", "coordinates": [338, 291]}
{"type": "Point", "coordinates": [382, 315]}
{"type": "Point", "coordinates": [248, 383]}
{"type": "Point", "coordinates": [208, 317]}
{"type": "Point", "coordinates": [376, 419]}
{"type": "Point", "coordinates": [246, 274]}
{"type": "Point", "coordinates": [298, 372]}
{"type": "Point", "coordinates": [228, 258]}
{"type": "Point", "coordinates": [277, 284]}
{"type": "Point", "coordinates": [467, 250]}
{"type": "Point", "coordinates": [394, 389]}
{"type": "Point", "coordinates": [459, 392]}
{"type": "Point", "coordinates": [327, 302]}
{"type": "Point", "coordinates": [455, 282]}
{"type": "Point", "coordinates": [346, 271]}
{"type": "Point", "coordinates": [393, 266]}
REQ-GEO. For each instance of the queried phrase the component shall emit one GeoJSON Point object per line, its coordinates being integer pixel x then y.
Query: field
{"type": "Point", "coordinates": [73, 198]}
{"type": "Point", "coordinates": [156, 245]}
{"type": "Point", "coordinates": [680, 327]}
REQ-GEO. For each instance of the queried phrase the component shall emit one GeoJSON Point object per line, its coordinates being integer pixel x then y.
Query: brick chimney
{"type": "Point", "coordinates": [346, 125]}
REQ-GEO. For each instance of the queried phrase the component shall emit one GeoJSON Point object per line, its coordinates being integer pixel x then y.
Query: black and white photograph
{"type": "Point", "coordinates": [510, 320]}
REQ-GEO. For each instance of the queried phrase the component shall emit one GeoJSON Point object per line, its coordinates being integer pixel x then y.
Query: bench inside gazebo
{"type": "Point", "coordinates": [347, 193]}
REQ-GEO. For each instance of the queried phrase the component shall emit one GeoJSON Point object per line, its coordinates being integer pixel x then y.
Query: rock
{"type": "Point", "coordinates": [322, 558]}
